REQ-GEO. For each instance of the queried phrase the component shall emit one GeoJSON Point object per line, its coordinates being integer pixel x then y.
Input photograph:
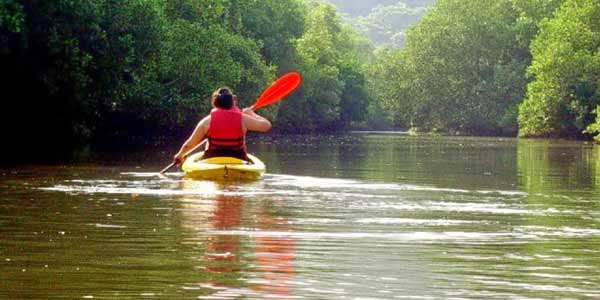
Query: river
{"type": "Point", "coordinates": [360, 216]}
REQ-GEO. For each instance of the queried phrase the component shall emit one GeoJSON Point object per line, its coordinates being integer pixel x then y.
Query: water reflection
{"type": "Point", "coordinates": [552, 251]}
{"type": "Point", "coordinates": [234, 265]}
{"type": "Point", "coordinates": [370, 217]}
{"type": "Point", "coordinates": [222, 251]}
{"type": "Point", "coordinates": [544, 166]}
{"type": "Point", "coordinates": [274, 257]}
{"type": "Point", "coordinates": [473, 163]}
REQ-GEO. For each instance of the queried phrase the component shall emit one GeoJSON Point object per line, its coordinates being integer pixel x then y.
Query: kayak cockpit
{"type": "Point", "coordinates": [223, 168]}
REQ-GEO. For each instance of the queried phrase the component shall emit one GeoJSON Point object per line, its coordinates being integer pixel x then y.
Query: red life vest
{"type": "Point", "coordinates": [225, 130]}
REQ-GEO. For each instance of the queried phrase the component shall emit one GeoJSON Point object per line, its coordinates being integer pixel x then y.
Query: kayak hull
{"type": "Point", "coordinates": [223, 168]}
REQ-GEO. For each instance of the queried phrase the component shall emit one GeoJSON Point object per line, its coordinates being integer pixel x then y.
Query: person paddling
{"type": "Point", "coordinates": [225, 127]}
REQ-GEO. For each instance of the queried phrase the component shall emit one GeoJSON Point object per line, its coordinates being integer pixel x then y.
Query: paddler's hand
{"type": "Point", "coordinates": [178, 158]}
{"type": "Point", "coordinates": [249, 111]}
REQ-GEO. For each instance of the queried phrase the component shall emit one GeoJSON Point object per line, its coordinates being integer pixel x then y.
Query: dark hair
{"type": "Point", "coordinates": [222, 98]}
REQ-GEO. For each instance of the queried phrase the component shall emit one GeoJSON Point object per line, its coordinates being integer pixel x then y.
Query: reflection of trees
{"type": "Point", "coordinates": [550, 166]}
{"type": "Point", "coordinates": [557, 175]}
{"type": "Point", "coordinates": [596, 158]}
{"type": "Point", "coordinates": [554, 173]}
{"type": "Point", "coordinates": [455, 162]}
{"type": "Point", "coordinates": [543, 258]}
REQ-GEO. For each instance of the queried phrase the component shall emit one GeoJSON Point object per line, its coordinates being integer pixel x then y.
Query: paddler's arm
{"type": "Point", "coordinates": [199, 132]}
{"type": "Point", "coordinates": [254, 122]}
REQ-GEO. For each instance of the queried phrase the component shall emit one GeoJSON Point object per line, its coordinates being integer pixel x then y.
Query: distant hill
{"type": "Point", "coordinates": [383, 21]}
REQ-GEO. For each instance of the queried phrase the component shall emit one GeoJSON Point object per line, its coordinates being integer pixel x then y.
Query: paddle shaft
{"type": "Point", "coordinates": [186, 154]}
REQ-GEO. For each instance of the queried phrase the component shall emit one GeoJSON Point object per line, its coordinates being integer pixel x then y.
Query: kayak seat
{"type": "Point", "coordinates": [224, 160]}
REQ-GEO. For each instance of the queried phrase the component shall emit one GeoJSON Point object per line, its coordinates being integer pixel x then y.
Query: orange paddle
{"type": "Point", "coordinates": [275, 92]}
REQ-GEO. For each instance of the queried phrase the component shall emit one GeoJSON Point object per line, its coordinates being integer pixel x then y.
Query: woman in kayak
{"type": "Point", "coordinates": [225, 128]}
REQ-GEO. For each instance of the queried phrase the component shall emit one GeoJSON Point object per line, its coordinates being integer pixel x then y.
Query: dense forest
{"type": "Point", "coordinates": [496, 67]}
{"type": "Point", "coordinates": [113, 72]}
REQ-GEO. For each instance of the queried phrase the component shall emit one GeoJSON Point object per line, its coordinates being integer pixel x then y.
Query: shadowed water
{"type": "Point", "coordinates": [369, 216]}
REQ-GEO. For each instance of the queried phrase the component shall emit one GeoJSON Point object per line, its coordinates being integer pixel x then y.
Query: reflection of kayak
{"type": "Point", "coordinates": [223, 168]}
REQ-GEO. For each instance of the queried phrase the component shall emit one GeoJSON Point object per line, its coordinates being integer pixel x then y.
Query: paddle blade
{"type": "Point", "coordinates": [278, 89]}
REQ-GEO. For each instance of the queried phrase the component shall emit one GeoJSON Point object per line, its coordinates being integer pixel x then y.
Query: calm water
{"type": "Point", "coordinates": [367, 216]}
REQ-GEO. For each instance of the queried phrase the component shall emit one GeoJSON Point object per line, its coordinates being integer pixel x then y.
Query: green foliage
{"type": "Point", "coordinates": [112, 71]}
{"type": "Point", "coordinates": [11, 16]}
{"type": "Point", "coordinates": [462, 69]}
{"type": "Point", "coordinates": [92, 58]}
{"type": "Point", "coordinates": [321, 87]}
{"type": "Point", "coordinates": [50, 66]}
{"type": "Point", "coordinates": [530, 14]}
{"type": "Point", "coordinates": [594, 128]}
{"type": "Point", "coordinates": [196, 60]}
{"type": "Point", "coordinates": [356, 52]}
{"type": "Point", "coordinates": [331, 58]}
{"type": "Point", "coordinates": [105, 69]}
{"type": "Point", "coordinates": [273, 24]}
{"type": "Point", "coordinates": [389, 82]}
{"type": "Point", "coordinates": [565, 68]}
{"type": "Point", "coordinates": [202, 12]}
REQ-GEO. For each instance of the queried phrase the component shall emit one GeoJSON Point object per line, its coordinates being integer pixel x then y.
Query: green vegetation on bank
{"type": "Point", "coordinates": [461, 72]}
{"type": "Point", "coordinates": [563, 95]}
{"type": "Point", "coordinates": [110, 72]}
{"type": "Point", "coordinates": [496, 67]}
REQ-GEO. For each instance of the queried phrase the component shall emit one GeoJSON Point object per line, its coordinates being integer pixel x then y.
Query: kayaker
{"type": "Point", "coordinates": [225, 127]}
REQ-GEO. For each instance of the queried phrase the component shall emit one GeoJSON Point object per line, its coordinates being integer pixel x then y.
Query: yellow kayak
{"type": "Point", "coordinates": [223, 168]}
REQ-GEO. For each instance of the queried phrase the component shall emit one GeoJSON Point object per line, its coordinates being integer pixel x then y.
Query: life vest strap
{"type": "Point", "coordinates": [240, 139]}
{"type": "Point", "coordinates": [222, 144]}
